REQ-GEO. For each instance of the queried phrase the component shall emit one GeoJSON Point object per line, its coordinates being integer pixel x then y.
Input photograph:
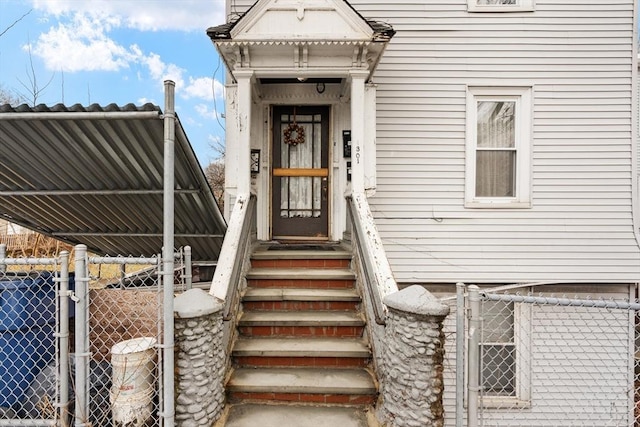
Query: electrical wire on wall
{"type": "Point", "coordinates": [213, 90]}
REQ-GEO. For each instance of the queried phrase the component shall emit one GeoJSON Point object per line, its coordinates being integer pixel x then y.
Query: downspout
{"type": "Point", "coordinates": [168, 411]}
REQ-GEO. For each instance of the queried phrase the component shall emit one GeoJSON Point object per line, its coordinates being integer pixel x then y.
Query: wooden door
{"type": "Point", "coordinates": [300, 173]}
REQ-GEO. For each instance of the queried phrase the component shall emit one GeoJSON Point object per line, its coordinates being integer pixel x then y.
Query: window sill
{"type": "Point", "coordinates": [497, 204]}
{"type": "Point", "coordinates": [504, 403]}
{"type": "Point", "coordinates": [528, 6]}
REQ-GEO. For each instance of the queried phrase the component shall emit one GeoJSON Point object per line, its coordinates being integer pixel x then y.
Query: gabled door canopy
{"type": "Point", "coordinates": [302, 39]}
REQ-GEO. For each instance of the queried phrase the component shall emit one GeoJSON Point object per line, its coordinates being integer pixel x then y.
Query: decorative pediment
{"type": "Point", "coordinates": [301, 38]}
{"type": "Point", "coordinates": [308, 20]}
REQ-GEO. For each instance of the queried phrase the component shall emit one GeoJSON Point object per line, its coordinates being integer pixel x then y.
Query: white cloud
{"type": "Point", "coordinates": [162, 71]}
{"type": "Point", "coordinates": [204, 111]}
{"type": "Point", "coordinates": [203, 88]}
{"type": "Point", "coordinates": [82, 45]}
{"type": "Point", "coordinates": [86, 36]}
{"type": "Point", "coordinates": [148, 15]}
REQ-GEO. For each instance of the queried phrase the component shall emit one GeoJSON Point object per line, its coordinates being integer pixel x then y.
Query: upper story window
{"type": "Point", "coordinates": [498, 155]}
{"type": "Point", "coordinates": [501, 5]}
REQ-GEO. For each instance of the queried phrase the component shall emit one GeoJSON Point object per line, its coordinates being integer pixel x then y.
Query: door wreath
{"type": "Point", "coordinates": [294, 133]}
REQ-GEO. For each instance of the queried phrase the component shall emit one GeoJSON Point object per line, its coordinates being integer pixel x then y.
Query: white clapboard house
{"type": "Point", "coordinates": [486, 142]}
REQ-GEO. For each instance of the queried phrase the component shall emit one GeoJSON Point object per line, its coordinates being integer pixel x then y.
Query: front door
{"type": "Point", "coordinates": [300, 174]}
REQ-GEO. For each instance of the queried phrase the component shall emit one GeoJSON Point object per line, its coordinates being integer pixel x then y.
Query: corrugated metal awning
{"type": "Point", "coordinates": [94, 175]}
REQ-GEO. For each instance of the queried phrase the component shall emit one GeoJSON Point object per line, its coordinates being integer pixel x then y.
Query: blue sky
{"type": "Point", "coordinates": [119, 51]}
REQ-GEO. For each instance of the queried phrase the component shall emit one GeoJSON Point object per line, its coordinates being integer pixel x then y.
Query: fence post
{"type": "Point", "coordinates": [82, 337]}
{"type": "Point", "coordinates": [475, 325]}
{"type": "Point", "coordinates": [3, 255]}
{"type": "Point", "coordinates": [460, 315]}
{"type": "Point", "coordinates": [188, 276]}
{"type": "Point", "coordinates": [168, 411]}
{"type": "Point", "coordinates": [63, 336]}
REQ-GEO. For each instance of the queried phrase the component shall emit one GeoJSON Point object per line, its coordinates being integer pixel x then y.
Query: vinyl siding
{"type": "Point", "coordinates": [578, 56]}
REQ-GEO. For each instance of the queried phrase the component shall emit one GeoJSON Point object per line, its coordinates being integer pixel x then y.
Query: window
{"type": "Point", "coordinates": [498, 156]}
{"type": "Point", "coordinates": [504, 354]}
{"type": "Point", "coordinates": [501, 5]}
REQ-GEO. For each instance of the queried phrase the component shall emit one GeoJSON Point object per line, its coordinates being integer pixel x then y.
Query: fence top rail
{"type": "Point", "coordinates": [573, 302]}
{"type": "Point", "coordinates": [122, 260]}
{"type": "Point", "coordinates": [504, 288]}
{"type": "Point", "coordinates": [29, 261]}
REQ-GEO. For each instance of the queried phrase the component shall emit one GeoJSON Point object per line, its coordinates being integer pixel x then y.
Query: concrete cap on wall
{"type": "Point", "coordinates": [195, 303]}
{"type": "Point", "coordinates": [417, 300]}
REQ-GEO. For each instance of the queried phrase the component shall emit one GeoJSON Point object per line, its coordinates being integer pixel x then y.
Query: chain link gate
{"type": "Point", "coordinates": [125, 340]}
{"type": "Point", "coordinates": [539, 360]}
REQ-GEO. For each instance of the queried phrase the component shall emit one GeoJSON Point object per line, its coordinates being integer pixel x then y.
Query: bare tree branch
{"type": "Point", "coordinates": [15, 22]}
{"type": "Point", "coordinates": [33, 89]}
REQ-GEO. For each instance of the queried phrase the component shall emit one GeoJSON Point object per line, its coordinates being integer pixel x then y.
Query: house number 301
{"type": "Point", "coordinates": [358, 154]}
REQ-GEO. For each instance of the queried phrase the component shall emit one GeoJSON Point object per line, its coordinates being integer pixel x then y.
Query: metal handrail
{"type": "Point", "coordinates": [371, 283]}
{"type": "Point", "coordinates": [233, 292]}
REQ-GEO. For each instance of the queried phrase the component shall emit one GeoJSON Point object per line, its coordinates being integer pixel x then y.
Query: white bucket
{"type": "Point", "coordinates": [133, 376]}
{"type": "Point", "coordinates": [133, 367]}
{"type": "Point", "coordinates": [133, 411]}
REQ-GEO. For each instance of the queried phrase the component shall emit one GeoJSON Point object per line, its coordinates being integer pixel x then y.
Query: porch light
{"type": "Point", "coordinates": [320, 87]}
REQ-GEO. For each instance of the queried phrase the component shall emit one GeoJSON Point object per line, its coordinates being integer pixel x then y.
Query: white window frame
{"type": "Point", "coordinates": [521, 6]}
{"type": "Point", "coordinates": [522, 96]}
{"type": "Point", "coordinates": [522, 343]}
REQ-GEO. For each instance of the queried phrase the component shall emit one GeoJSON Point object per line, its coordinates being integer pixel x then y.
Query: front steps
{"type": "Point", "coordinates": [301, 359]}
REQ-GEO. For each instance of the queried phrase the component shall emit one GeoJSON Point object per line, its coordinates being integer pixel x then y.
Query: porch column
{"type": "Point", "coordinates": [358, 78]}
{"type": "Point", "coordinates": [243, 117]}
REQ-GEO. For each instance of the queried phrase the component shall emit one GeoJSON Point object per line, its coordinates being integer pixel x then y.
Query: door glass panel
{"type": "Point", "coordinates": [301, 196]}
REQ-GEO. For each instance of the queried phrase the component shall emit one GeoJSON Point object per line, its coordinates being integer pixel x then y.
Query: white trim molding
{"type": "Point", "coordinates": [501, 5]}
{"type": "Point", "coordinates": [521, 98]}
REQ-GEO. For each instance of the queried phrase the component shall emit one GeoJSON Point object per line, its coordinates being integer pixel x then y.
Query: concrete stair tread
{"type": "Point", "coordinates": [300, 294]}
{"type": "Point", "coordinates": [301, 273]}
{"type": "Point", "coordinates": [302, 380]}
{"type": "Point", "coordinates": [252, 415]}
{"type": "Point", "coordinates": [301, 318]}
{"type": "Point", "coordinates": [301, 347]}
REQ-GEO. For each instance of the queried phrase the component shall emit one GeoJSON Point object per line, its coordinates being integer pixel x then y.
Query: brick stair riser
{"type": "Point", "coordinates": [318, 362]}
{"type": "Point", "coordinates": [300, 263]}
{"type": "Point", "coordinates": [300, 305]}
{"type": "Point", "coordinates": [301, 283]}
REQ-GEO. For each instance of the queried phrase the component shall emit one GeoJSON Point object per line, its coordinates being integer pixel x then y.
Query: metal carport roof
{"type": "Point", "coordinates": [94, 175]}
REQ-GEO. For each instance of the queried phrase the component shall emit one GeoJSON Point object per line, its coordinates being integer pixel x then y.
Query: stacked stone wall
{"type": "Point", "coordinates": [413, 357]}
{"type": "Point", "coordinates": [200, 359]}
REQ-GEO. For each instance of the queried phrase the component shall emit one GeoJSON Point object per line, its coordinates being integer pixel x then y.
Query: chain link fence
{"type": "Point", "coordinates": [534, 359]}
{"type": "Point", "coordinates": [33, 330]}
{"type": "Point", "coordinates": [83, 348]}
